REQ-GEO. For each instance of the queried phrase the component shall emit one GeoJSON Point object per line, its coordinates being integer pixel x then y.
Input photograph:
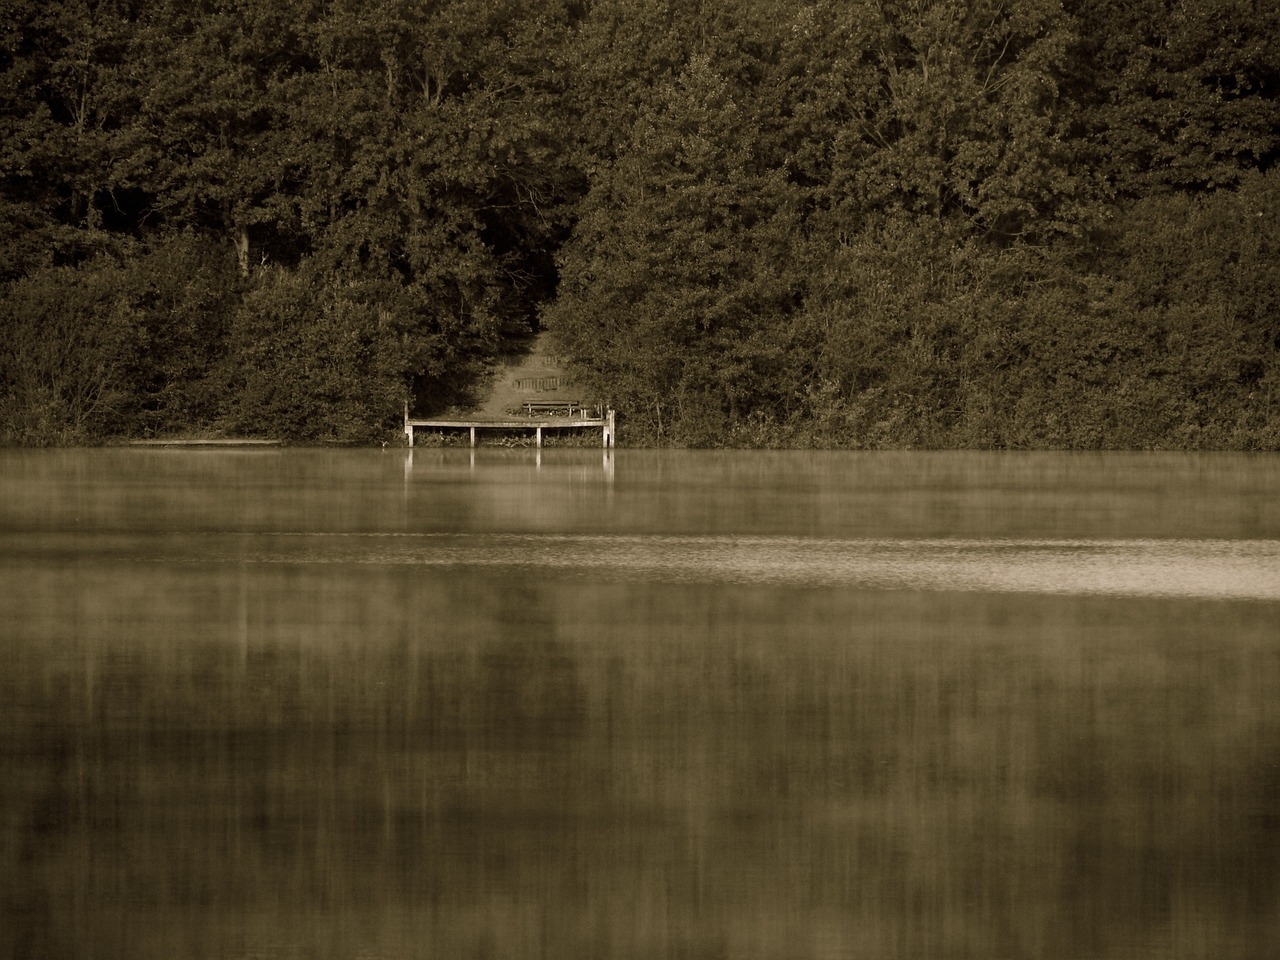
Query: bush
{"type": "Point", "coordinates": [313, 362]}
{"type": "Point", "coordinates": [66, 341]}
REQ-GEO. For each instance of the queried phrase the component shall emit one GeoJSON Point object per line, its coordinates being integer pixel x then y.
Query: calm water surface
{"type": "Point", "coordinates": [376, 704]}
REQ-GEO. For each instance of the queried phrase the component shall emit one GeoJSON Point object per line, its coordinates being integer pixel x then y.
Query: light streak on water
{"type": "Point", "coordinates": [1189, 568]}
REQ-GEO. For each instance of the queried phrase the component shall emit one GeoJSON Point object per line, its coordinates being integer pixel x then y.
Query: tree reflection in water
{"type": "Point", "coordinates": [511, 768]}
{"type": "Point", "coordinates": [255, 733]}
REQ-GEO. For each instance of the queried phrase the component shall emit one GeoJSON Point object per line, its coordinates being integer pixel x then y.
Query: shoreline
{"type": "Point", "coordinates": [206, 442]}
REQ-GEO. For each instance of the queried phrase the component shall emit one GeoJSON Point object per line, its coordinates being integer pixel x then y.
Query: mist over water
{"type": "Point", "coordinates": [381, 704]}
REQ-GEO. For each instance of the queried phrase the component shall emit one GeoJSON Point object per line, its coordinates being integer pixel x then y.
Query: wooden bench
{"type": "Point", "coordinates": [555, 408]}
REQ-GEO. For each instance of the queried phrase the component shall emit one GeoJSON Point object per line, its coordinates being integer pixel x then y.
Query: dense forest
{"type": "Point", "coordinates": [851, 223]}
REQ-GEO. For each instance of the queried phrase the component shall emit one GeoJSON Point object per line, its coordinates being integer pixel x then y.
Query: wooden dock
{"type": "Point", "coordinates": [538, 424]}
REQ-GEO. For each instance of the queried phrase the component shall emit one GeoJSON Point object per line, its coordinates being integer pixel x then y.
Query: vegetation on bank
{"type": "Point", "coordinates": [942, 223]}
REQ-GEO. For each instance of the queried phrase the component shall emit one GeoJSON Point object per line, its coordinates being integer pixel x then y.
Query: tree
{"type": "Point", "coordinates": [963, 119]}
{"type": "Point", "coordinates": [438, 166]}
{"type": "Point", "coordinates": [1181, 95]}
{"type": "Point", "coordinates": [66, 335]}
{"type": "Point", "coordinates": [671, 293]}
{"type": "Point", "coordinates": [312, 359]}
{"type": "Point", "coordinates": [183, 289]}
{"type": "Point", "coordinates": [216, 140]}
{"type": "Point", "coordinates": [66, 96]}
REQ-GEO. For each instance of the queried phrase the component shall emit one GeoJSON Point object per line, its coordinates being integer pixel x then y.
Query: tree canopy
{"type": "Point", "coordinates": [1019, 223]}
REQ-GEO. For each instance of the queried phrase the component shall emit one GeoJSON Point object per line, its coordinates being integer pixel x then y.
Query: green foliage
{"type": "Point", "coordinates": [107, 348]}
{"type": "Point", "coordinates": [921, 251]}
{"type": "Point", "coordinates": [1203, 271]}
{"type": "Point", "coordinates": [313, 361]}
{"type": "Point", "coordinates": [909, 223]}
{"type": "Point", "coordinates": [183, 289]}
{"type": "Point", "coordinates": [1180, 95]}
{"type": "Point", "coordinates": [66, 337]}
{"type": "Point", "coordinates": [962, 119]}
{"type": "Point", "coordinates": [883, 318]}
{"type": "Point", "coordinates": [65, 99]}
{"type": "Point", "coordinates": [671, 296]}
{"type": "Point", "coordinates": [1168, 339]}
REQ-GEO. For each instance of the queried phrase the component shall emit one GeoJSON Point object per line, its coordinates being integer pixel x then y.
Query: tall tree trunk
{"type": "Point", "coordinates": [242, 248]}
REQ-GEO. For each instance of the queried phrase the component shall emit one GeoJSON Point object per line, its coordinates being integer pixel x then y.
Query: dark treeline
{"type": "Point", "coordinates": [977, 223]}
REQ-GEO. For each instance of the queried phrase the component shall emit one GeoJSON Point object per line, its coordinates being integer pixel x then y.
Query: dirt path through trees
{"type": "Point", "coordinates": [533, 375]}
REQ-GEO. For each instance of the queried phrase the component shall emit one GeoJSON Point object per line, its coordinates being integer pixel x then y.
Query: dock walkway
{"type": "Point", "coordinates": [605, 424]}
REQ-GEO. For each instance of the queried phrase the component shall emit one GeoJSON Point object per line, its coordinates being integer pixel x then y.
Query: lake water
{"type": "Point", "coordinates": [495, 703]}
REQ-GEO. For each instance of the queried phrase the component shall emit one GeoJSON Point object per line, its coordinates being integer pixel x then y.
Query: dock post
{"type": "Point", "coordinates": [607, 431]}
{"type": "Point", "coordinates": [538, 434]}
{"type": "Point", "coordinates": [473, 436]}
{"type": "Point", "coordinates": [408, 427]}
